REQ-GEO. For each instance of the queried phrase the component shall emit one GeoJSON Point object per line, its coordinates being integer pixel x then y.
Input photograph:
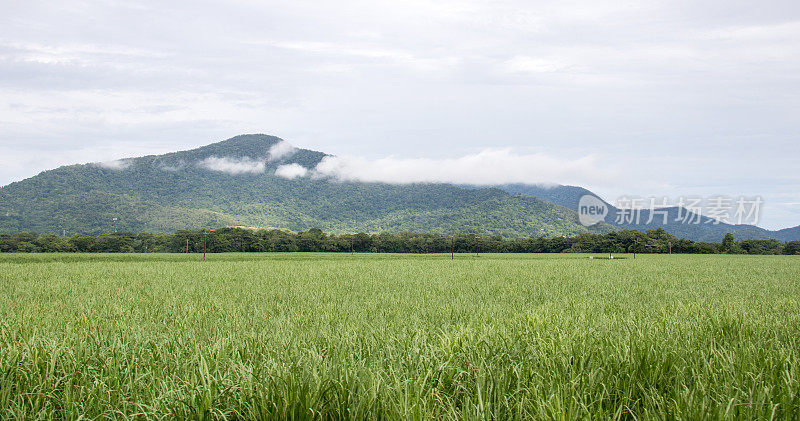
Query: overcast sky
{"type": "Point", "coordinates": [654, 98]}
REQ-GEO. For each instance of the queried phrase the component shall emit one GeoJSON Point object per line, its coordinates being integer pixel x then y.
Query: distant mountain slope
{"type": "Point", "coordinates": [787, 234]}
{"type": "Point", "coordinates": [566, 196]}
{"type": "Point", "coordinates": [706, 230]}
{"type": "Point", "coordinates": [234, 182]}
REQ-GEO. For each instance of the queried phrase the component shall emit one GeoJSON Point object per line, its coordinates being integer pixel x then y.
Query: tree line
{"type": "Point", "coordinates": [314, 240]}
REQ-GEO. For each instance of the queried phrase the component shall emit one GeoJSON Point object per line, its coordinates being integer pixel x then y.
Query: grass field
{"type": "Point", "coordinates": [370, 336]}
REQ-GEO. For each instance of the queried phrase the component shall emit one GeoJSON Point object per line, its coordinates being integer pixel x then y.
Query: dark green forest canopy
{"type": "Point", "coordinates": [315, 240]}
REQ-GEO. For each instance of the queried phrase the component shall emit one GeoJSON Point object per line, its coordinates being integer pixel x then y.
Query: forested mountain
{"type": "Point", "coordinates": [566, 196]}
{"type": "Point", "coordinates": [677, 220]}
{"type": "Point", "coordinates": [234, 182]}
{"type": "Point", "coordinates": [260, 180]}
{"type": "Point", "coordinates": [786, 234]}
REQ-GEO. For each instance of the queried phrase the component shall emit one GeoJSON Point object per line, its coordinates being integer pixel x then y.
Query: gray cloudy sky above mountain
{"type": "Point", "coordinates": [666, 97]}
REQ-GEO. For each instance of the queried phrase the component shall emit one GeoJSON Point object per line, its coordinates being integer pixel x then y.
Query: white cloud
{"type": "Point", "coordinates": [525, 64]}
{"type": "Point", "coordinates": [783, 31]}
{"type": "Point", "coordinates": [173, 168]}
{"type": "Point", "coordinates": [634, 81]}
{"type": "Point", "coordinates": [232, 165]}
{"type": "Point", "coordinates": [291, 171]}
{"type": "Point", "coordinates": [83, 54]}
{"type": "Point", "coordinates": [117, 164]}
{"type": "Point", "coordinates": [487, 167]}
{"type": "Point", "coordinates": [282, 149]}
{"type": "Point", "coordinates": [378, 55]}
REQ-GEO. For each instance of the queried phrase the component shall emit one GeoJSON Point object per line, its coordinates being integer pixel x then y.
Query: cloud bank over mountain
{"type": "Point", "coordinates": [247, 165]}
{"type": "Point", "coordinates": [117, 164]}
{"type": "Point", "coordinates": [487, 167]}
{"type": "Point", "coordinates": [232, 165]}
{"type": "Point", "coordinates": [281, 150]}
{"type": "Point", "coordinates": [291, 171]}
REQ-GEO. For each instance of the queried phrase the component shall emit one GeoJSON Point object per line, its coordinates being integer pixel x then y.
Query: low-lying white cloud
{"type": "Point", "coordinates": [291, 171]}
{"type": "Point", "coordinates": [117, 164]}
{"type": "Point", "coordinates": [282, 149]}
{"type": "Point", "coordinates": [487, 167]}
{"type": "Point", "coordinates": [232, 165]}
{"type": "Point", "coordinates": [181, 164]}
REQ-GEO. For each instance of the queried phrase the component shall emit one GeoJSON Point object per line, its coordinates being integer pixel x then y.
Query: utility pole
{"type": "Point", "coordinates": [187, 245]}
{"type": "Point", "coordinates": [204, 245]}
{"type": "Point", "coordinates": [452, 247]}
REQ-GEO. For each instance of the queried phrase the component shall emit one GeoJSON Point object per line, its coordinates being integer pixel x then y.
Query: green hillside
{"type": "Point", "coordinates": [184, 190]}
{"type": "Point", "coordinates": [707, 229]}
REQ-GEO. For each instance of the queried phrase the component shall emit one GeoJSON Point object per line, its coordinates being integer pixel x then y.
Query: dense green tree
{"type": "Point", "coordinates": [761, 247]}
{"type": "Point", "coordinates": [729, 245]}
{"type": "Point", "coordinates": [315, 240]}
{"type": "Point", "coordinates": [792, 247]}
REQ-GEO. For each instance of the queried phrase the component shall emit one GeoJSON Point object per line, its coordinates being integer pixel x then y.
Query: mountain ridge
{"type": "Point", "coordinates": [707, 229]}
{"type": "Point", "coordinates": [234, 182]}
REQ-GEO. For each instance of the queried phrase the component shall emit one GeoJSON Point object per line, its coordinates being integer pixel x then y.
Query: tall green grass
{"type": "Point", "coordinates": [366, 336]}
